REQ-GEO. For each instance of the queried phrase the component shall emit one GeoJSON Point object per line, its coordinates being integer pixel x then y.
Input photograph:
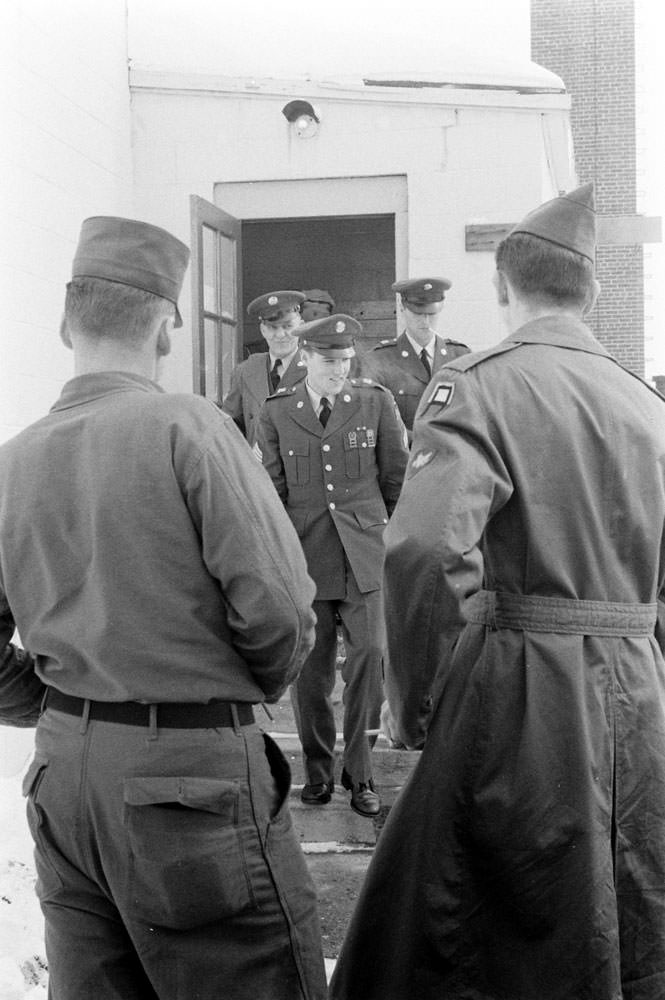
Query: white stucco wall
{"type": "Point", "coordinates": [65, 156]}
{"type": "Point", "coordinates": [467, 157]}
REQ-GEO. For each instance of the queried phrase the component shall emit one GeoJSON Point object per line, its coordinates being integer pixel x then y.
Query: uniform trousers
{"type": "Point", "coordinates": [167, 865]}
{"type": "Point", "coordinates": [363, 632]}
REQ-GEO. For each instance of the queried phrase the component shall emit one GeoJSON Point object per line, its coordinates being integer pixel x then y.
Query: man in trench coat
{"type": "Point", "coordinates": [525, 859]}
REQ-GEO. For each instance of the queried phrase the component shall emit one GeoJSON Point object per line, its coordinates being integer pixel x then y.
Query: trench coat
{"type": "Point", "coordinates": [396, 366]}
{"type": "Point", "coordinates": [525, 857]}
{"type": "Point", "coordinates": [250, 386]}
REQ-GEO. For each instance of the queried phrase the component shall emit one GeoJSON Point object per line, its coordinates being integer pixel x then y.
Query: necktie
{"type": "Point", "coordinates": [275, 374]}
{"type": "Point", "coordinates": [424, 357]}
{"type": "Point", "coordinates": [325, 411]}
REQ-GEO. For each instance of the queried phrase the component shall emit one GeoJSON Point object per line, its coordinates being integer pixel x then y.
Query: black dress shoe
{"type": "Point", "coordinates": [364, 799]}
{"type": "Point", "coordinates": [317, 795]}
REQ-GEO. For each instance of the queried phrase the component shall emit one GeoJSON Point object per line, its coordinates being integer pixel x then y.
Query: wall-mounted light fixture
{"type": "Point", "coordinates": [303, 116]}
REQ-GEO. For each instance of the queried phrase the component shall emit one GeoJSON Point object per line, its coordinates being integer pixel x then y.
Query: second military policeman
{"type": "Point", "coordinates": [335, 449]}
{"type": "Point", "coordinates": [406, 365]}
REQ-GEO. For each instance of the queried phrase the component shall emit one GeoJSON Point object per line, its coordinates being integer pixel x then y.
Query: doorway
{"type": "Point", "coordinates": [350, 257]}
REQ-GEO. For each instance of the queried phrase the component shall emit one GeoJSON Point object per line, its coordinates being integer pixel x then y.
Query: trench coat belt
{"type": "Point", "coordinates": [559, 614]}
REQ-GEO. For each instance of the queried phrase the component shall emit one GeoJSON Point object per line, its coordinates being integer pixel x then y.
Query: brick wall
{"type": "Point", "coordinates": [590, 44]}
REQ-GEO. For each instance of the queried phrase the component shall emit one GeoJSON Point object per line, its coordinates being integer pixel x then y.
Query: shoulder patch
{"type": "Point", "coordinates": [441, 395]}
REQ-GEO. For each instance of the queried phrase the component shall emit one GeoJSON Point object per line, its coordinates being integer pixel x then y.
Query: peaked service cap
{"type": "Point", "coordinates": [273, 305]}
{"type": "Point", "coordinates": [422, 291]}
{"type": "Point", "coordinates": [333, 336]}
{"type": "Point", "coordinates": [132, 253]}
{"type": "Point", "coordinates": [568, 221]}
{"type": "Point", "coordinates": [320, 296]}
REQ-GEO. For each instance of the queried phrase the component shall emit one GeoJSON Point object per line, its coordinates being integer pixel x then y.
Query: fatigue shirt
{"type": "Point", "coordinates": [395, 365]}
{"type": "Point", "coordinates": [339, 483]}
{"type": "Point", "coordinates": [143, 553]}
{"type": "Point", "coordinates": [250, 386]}
{"type": "Point", "coordinates": [525, 560]}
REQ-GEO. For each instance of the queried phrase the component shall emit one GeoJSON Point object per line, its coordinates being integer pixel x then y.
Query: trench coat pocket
{"type": "Point", "coordinates": [48, 880]}
{"type": "Point", "coordinates": [187, 859]}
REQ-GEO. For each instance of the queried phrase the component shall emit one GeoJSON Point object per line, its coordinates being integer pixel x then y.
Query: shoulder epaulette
{"type": "Point", "coordinates": [366, 383]}
{"type": "Point", "coordinates": [284, 390]}
{"type": "Point", "coordinates": [458, 343]}
{"type": "Point", "coordinates": [385, 343]}
{"type": "Point", "coordinates": [467, 361]}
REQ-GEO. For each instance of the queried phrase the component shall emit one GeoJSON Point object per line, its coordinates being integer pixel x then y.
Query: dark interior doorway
{"type": "Point", "coordinates": [351, 257]}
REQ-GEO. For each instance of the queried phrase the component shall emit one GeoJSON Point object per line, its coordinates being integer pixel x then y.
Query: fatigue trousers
{"type": "Point", "coordinates": [167, 865]}
{"type": "Point", "coordinates": [363, 632]}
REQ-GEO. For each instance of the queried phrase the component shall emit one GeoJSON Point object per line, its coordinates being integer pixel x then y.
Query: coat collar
{"type": "Point", "coordinates": [84, 388]}
{"type": "Point", "coordinates": [558, 330]}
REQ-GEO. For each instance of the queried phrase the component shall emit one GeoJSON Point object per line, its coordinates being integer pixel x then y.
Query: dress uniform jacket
{"type": "Point", "coordinates": [339, 483]}
{"type": "Point", "coordinates": [250, 385]}
{"type": "Point", "coordinates": [525, 859]}
{"type": "Point", "coordinates": [395, 365]}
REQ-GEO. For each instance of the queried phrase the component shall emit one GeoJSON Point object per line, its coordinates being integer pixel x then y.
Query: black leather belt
{"type": "Point", "coordinates": [165, 715]}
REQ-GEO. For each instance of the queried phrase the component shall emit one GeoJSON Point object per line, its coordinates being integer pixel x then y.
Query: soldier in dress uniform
{"type": "Point", "coordinates": [335, 449]}
{"type": "Point", "coordinates": [261, 374]}
{"type": "Point", "coordinates": [406, 364]}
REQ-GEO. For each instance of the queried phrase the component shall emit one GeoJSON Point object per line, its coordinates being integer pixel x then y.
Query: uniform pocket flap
{"type": "Point", "coordinates": [370, 519]}
{"type": "Point", "coordinates": [213, 795]}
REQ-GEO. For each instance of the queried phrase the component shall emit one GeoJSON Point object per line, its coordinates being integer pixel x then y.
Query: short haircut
{"type": "Point", "coordinates": [538, 269]}
{"type": "Point", "coordinates": [97, 308]}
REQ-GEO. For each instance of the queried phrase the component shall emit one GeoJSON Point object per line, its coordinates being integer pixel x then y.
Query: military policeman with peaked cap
{"type": "Point", "coordinates": [335, 449]}
{"type": "Point", "coordinates": [278, 315]}
{"type": "Point", "coordinates": [406, 364]}
{"type": "Point", "coordinates": [526, 856]}
{"type": "Point", "coordinates": [160, 589]}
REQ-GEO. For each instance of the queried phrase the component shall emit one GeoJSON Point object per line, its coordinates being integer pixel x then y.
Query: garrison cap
{"type": "Point", "coordinates": [333, 336]}
{"type": "Point", "coordinates": [318, 296]}
{"type": "Point", "coordinates": [273, 305]}
{"type": "Point", "coordinates": [422, 291]}
{"type": "Point", "coordinates": [568, 221]}
{"type": "Point", "coordinates": [132, 253]}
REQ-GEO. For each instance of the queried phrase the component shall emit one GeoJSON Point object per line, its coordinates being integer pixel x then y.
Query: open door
{"type": "Point", "coordinates": [216, 297]}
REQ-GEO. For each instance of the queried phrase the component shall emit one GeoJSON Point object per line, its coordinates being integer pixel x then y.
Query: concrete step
{"type": "Point", "coordinates": [335, 825]}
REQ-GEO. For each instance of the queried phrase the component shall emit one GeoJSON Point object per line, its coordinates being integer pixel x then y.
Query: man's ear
{"type": "Point", "coordinates": [164, 337]}
{"type": "Point", "coordinates": [501, 286]}
{"type": "Point", "coordinates": [592, 297]}
{"type": "Point", "coordinates": [65, 336]}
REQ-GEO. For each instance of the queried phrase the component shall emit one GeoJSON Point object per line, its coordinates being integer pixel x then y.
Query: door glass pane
{"type": "Point", "coordinates": [227, 250]}
{"type": "Point", "coordinates": [227, 355]}
{"type": "Point", "coordinates": [210, 364]}
{"type": "Point", "coordinates": [210, 271]}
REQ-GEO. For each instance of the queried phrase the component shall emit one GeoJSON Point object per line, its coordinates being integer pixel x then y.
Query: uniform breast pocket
{"type": "Point", "coordinates": [359, 452]}
{"type": "Point", "coordinates": [296, 464]}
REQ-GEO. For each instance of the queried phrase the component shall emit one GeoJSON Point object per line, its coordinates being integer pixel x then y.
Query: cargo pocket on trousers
{"type": "Point", "coordinates": [187, 862]}
{"type": "Point", "coordinates": [48, 879]}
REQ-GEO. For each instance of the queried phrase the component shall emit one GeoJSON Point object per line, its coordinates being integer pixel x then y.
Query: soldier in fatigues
{"type": "Point", "coordinates": [525, 858]}
{"type": "Point", "coordinates": [406, 365]}
{"type": "Point", "coordinates": [261, 374]}
{"type": "Point", "coordinates": [335, 450]}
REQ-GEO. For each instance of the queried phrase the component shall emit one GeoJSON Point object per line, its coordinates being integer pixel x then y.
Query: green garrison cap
{"type": "Point", "coordinates": [569, 221]}
{"type": "Point", "coordinates": [132, 253]}
{"type": "Point", "coordinates": [273, 305]}
{"type": "Point", "coordinates": [333, 336]}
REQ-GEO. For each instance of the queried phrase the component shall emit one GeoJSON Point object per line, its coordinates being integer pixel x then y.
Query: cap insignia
{"type": "Point", "coordinates": [427, 286]}
{"type": "Point", "coordinates": [273, 300]}
{"type": "Point", "coordinates": [340, 326]}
